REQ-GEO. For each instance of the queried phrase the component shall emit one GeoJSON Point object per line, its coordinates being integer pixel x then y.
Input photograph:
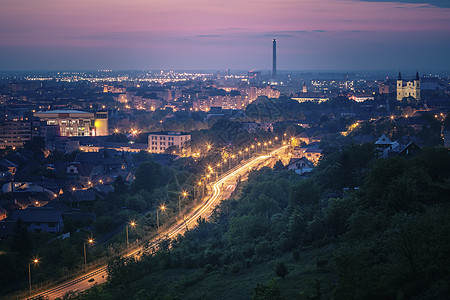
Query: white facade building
{"type": "Point", "coordinates": [158, 142]}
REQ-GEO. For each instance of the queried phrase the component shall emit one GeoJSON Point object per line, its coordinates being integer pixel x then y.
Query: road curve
{"type": "Point", "coordinates": [203, 210]}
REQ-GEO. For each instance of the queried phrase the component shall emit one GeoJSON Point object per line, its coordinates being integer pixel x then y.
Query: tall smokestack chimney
{"type": "Point", "coordinates": [274, 59]}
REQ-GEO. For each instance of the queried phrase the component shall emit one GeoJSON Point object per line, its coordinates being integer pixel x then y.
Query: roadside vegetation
{"type": "Point", "coordinates": [358, 228]}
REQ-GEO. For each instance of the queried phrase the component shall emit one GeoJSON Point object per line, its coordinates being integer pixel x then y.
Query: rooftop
{"type": "Point", "coordinates": [169, 133]}
{"type": "Point", "coordinates": [38, 214]}
{"type": "Point", "coordinates": [63, 111]}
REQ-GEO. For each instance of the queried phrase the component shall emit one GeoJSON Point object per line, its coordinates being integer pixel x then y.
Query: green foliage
{"type": "Point", "coordinates": [386, 239]}
{"type": "Point", "coordinates": [150, 175]}
{"type": "Point", "coordinates": [271, 291]}
{"type": "Point", "coordinates": [305, 193]}
{"type": "Point", "coordinates": [120, 186]}
{"type": "Point", "coordinates": [281, 269]}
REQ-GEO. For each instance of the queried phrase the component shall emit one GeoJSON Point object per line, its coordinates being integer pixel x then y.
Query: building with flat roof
{"type": "Point", "coordinates": [158, 142]}
{"type": "Point", "coordinates": [16, 130]}
{"type": "Point", "coordinates": [75, 122]}
{"type": "Point", "coordinates": [40, 219]}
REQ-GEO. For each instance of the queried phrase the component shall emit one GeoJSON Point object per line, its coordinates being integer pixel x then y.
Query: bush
{"type": "Point", "coordinates": [281, 270]}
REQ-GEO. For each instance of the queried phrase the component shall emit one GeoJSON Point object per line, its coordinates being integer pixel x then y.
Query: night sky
{"type": "Point", "coordinates": [221, 34]}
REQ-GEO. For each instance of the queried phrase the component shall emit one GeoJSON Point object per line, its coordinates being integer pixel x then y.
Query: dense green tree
{"type": "Point", "coordinates": [281, 269]}
{"type": "Point", "coordinates": [149, 176]}
{"type": "Point", "coordinates": [271, 291]}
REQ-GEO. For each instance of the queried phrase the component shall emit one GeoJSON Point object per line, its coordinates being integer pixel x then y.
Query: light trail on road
{"type": "Point", "coordinates": [203, 210]}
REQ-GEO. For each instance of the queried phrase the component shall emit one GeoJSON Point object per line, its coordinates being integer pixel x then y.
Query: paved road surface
{"type": "Point", "coordinates": [220, 189]}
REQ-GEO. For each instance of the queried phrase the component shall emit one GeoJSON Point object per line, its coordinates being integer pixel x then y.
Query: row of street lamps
{"type": "Point", "coordinates": [183, 194]}
{"type": "Point", "coordinates": [239, 155]}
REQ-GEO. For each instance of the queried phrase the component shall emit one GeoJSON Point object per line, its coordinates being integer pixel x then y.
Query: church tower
{"type": "Point", "coordinates": [417, 85]}
{"type": "Point", "coordinates": [399, 86]}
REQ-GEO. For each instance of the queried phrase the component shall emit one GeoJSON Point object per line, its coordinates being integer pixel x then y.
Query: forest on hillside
{"type": "Point", "coordinates": [358, 228]}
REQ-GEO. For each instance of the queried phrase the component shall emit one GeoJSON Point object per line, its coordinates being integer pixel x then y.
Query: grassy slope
{"type": "Point", "coordinates": [217, 284]}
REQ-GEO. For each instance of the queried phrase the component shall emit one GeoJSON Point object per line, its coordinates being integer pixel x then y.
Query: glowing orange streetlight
{"type": "Point", "coordinates": [90, 241]}
{"type": "Point", "coordinates": [162, 208]}
{"type": "Point", "coordinates": [179, 200]}
{"type": "Point", "coordinates": [34, 261]}
{"type": "Point", "coordinates": [132, 224]}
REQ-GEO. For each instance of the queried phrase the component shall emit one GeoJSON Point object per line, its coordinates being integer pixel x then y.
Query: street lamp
{"type": "Point", "coordinates": [162, 208]}
{"type": "Point", "coordinates": [132, 224]}
{"type": "Point", "coordinates": [179, 200]}
{"type": "Point", "coordinates": [219, 166]}
{"type": "Point", "coordinates": [90, 241]}
{"type": "Point", "coordinates": [200, 190]}
{"type": "Point", "coordinates": [35, 261]}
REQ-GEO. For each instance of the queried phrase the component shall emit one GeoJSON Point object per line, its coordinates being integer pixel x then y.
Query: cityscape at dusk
{"type": "Point", "coordinates": [264, 150]}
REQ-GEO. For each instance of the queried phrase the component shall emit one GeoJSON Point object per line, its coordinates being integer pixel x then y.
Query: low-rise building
{"type": "Point", "coordinates": [300, 165]}
{"type": "Point", "coordinates": [75, 122]}
{"type": "Point", "coordinates": [40, 219]}
{"type": "Point", "coordinates": [312, 154]}
{"type": "Point", "coordinates": [158, 142]}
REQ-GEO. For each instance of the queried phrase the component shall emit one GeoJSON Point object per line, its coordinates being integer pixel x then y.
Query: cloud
{"type": "Point", "coordinates": [436, 3]}
{"type": "Point", "coordinates": [209, 35]}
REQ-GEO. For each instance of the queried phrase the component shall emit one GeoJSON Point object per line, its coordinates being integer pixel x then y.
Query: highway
{"type": "Point", "coordinates": [221, 189]}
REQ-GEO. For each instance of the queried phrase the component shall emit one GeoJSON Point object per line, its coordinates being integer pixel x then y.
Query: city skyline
{"type": "Point", "coordinates": [330, 35]}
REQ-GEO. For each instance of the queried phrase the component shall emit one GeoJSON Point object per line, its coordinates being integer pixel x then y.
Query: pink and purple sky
{"type": "Point", "coordinates": [220, 34]}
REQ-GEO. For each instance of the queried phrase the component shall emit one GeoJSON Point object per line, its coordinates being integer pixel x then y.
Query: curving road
{"type": "Point", "coordinates": [220, 189]}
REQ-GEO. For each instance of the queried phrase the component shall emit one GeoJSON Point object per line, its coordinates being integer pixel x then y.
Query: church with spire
{"type": "Point", "coordinates": [410, 88]}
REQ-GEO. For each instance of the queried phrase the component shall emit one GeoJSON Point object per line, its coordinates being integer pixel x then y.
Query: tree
{"type": "Point", "coordinates": [306, 192]}
{"type": "Point", "coordinates": [278, 165]}
{"type": "Point", "coordinates": [149, 176]}
{"type": "Point", "coordinates": [21, 241]}
{"type": "Point", "coordinates": [120, 187]}
{"type": "Point", "coordinates": [271, 291]}
{"type": "Point", "coordinates": [281, 270]}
